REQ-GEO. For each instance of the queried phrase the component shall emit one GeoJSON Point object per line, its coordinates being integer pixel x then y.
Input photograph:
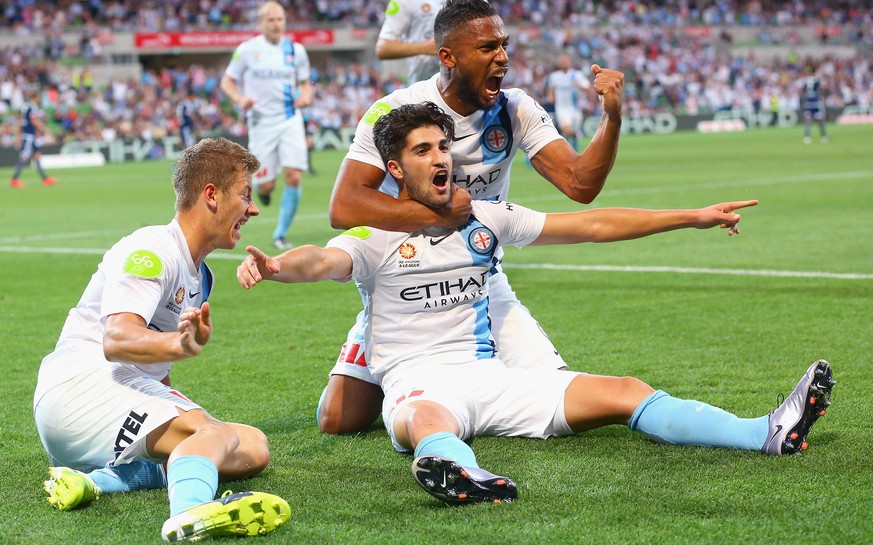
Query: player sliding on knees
{"type": "Point", "coordinates": [429, 341]}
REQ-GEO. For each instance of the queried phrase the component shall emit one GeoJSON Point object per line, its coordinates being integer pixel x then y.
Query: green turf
{"type": "Point", "coordinates": [735, 341]}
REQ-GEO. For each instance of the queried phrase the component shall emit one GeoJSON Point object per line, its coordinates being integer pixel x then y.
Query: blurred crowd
{"type": "Point", "coordinates": [29, 16]}
{"type": "Point", "coordinates": [666, 69]}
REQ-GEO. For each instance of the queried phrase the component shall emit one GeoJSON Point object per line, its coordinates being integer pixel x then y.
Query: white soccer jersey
{"type": "Point", "coordinates": [150, 273]}
{"type": "Point", "coordinates": [271, 74]}
{"type": "Point", "coordinates": [485, 141]}
{"type": "Point", "coordinates": [412, 21]}
{"type": "Point", "coordinates": [566, 87]}
{"type": "Point", "coordinates": [426, 293]}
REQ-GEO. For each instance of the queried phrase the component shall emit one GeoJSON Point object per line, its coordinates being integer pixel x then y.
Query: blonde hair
{"type": "Point", "coordinates": [212, 160]}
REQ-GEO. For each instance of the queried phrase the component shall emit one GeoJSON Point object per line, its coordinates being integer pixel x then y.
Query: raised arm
{"type": "Point", "coordinates": [301, 264]}
{"type": "Point", "coordinates": [581, 176]}
{"type": "Point", "coordinates": [356, 200]}
{"type": "Point", "coordinates": [614, 224]}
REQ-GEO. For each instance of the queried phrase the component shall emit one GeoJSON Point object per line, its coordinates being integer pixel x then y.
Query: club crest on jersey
{"type": "Point", "coordinates": [481, 240]}
{"type": "Point", "coordinates": [180, 295]}
{"type": "Point", "coordinates": [495, 138]}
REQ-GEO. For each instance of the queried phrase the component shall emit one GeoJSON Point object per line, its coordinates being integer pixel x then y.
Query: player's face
{"type": "Point", "coordinates": [425, 164]}
{"type": "Point", "coordinates": [272, 22]}
{"type": "Point", "coordinates": [235, 209]}
{"type": "Point", "coordinates": [481, 61]}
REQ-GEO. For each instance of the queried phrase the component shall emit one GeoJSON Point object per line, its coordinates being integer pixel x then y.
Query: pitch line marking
{"type": "Point", "coordinates": [538, 266]}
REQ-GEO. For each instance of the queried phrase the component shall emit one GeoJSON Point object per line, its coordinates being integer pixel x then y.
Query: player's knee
{"type": "Point", "coordinates": [635, 388]}
{"type": "Point", "coordinates": [258, 449]}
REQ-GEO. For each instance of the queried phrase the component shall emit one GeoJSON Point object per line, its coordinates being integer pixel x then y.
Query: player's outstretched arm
{"type": "Point", "coordinates": [614, 224]}
{"type": "Point", "coordinates": [301, 264]}
{"type": "Point", "coordinates": [582, 176]}
{"type": "Point", "coordinates": [356, 201]}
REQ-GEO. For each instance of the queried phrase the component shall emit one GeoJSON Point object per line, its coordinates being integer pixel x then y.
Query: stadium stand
{"type": "Point", "coordinates": [686, 58]}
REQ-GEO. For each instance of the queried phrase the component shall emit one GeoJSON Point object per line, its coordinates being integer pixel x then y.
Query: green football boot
{"type": "Point", "coordinates": [68, 488]}
{"type": "Point", "coordinates": [240, 514]}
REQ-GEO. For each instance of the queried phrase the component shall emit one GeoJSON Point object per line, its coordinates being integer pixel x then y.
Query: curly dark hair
{"type": "Point", "coordinates": [391, 130]}
{"type": "Point", "coordinates": [457, 12]}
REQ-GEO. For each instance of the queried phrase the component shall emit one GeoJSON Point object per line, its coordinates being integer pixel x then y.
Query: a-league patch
{"type": "Point", "coordinates": [377, 110]}
{"type": "Point", "coordinates": [495, 138]}
{"type": "Point", "coordinates": [144, 264]}
{"type": "Point", "coordinates": [481, 240]}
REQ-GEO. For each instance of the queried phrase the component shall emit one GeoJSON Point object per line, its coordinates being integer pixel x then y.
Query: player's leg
{"type": "Point", "coordinates": [352, 400]}
{"type": "Point", "coordinates": [198, 447]}
{"type": "Point", "coordinates": [444, 465]}
{"type": "Point", "coordinates": [820, 118]}
{"type": "Point", "coordinates": [46, 179]}
{"type": "Point", "coordinates": [592, 401]}
{"type": "Point", "coordinates": [293, 157]}
{"type": "Point", "coordinates": [807, 123]}
{"type": "Point", "coordinates": [348, 405]}
{"type": "Point", "coordinates": [263, 143]}
{"type": "Point", "coordinates": [24, 155]}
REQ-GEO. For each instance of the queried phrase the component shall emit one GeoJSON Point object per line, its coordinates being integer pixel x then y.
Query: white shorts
{"type": "Point", "coordinates": [569, 117]}
{"type": "Point", "coordinates": [486, 398]}
{"type": "Point", "coordinates": [278, 145]}
{"type": "Point", "coordinates": [102, 418]}
{"type": "Point", "coordinates": [521, 342]}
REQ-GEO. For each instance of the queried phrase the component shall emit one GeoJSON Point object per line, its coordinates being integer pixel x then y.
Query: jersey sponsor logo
{"type": "Point", "coordinates": [129, 431]}
{"type": "Point", "coordinates": [144, 264]}
{"type": "Point", "coordinates": [495, 138]}
{"type": "Point", "coordinates": [445, 288]}
{"type": "Point", "coordinates": [481, 240]}
{"type": "Point", "coordinates": [377, 110]}
{"type": "Point", "coordinates": [274, 74]}
{"type": "Point", "coordinates": [362, 233]}
{"type": "Point", "coordinates": [486, 180]}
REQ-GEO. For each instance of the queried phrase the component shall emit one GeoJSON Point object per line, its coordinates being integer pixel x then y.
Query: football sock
{"type": "Point", "coordinates": [191, 480]}
{"type": "Point", "coordinates": [126, 477]}
{"type": "Point", "coordinates": [39, 170]}
{"type": "Point", "coordinates": [19, 166]}
{"type": "Point", "coordinates": [287, 210]}
{"type": "Point", "coordinates": [447, 445]}
{"type": "Point", "coordinates": [666, 419]}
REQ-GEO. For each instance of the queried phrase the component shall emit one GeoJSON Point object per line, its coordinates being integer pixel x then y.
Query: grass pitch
{"type": "Point", "coordinates": [731, 321]}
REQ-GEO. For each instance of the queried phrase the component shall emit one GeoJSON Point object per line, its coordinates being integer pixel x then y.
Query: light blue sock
{"type": "Point", "coordinates": [287, 210]}
{"type": "Point", "coordinates": [447, 445]}
{"type": "Point", "coordinates": [127, 477]}
{"type": "Point", "coordinates": [191, 480]}
{"type": "Point", "coordinates": [666, 419]}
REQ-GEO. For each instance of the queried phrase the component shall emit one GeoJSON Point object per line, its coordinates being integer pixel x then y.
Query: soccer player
{"type": "Point", "coordinates": [408, 33]}
{"type": "Point", "coordinates": [32, 129]}
{"type": "Point", "coordinates": [185, 114]}
{"type": "Point", "coordinates": [104, 403]}
{"type": "Point", "coordinates": [813, 106]}
{"type": "Point", "coordinates": [430, 343]}
{"type": "Point", "coordinates": [268, 77]}
{"type": "Point", "coordinates": [492, 125]}
{"type": "Point", "coordinates": [563, 88]}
